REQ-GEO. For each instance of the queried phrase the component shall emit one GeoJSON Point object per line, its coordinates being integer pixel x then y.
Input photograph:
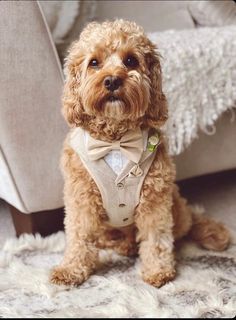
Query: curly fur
{"type": "Point", "coordinates": [162, 215]}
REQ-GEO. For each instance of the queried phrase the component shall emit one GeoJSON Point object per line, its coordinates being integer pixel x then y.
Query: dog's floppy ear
{"type": "Point", "coordinates": [157, 112]}
{"type": "Point", "coordinates": [72, 107]}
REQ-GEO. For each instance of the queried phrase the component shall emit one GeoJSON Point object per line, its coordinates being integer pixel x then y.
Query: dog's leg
{"type": "Point", "coordinates": [82, 221]}
{"type": "Point", "coordinates": [154, 221]}
{"type": "Point", "coordinates": [81, 255]}
{"type": "Point", "coordinates": [182, 215]}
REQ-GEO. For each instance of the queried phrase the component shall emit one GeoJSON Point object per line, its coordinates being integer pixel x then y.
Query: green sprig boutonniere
{"type": "Point", "coordinates": [153, 142]}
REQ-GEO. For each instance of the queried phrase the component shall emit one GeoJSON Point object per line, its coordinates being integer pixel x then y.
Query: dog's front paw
{"type": "Point", "coordinates": [158, 279]}
{"type": "Point", "coordinates": [63, 275]}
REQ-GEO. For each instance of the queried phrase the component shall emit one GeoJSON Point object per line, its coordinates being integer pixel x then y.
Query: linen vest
{"type": "Point", "coordinates": [120, 193]}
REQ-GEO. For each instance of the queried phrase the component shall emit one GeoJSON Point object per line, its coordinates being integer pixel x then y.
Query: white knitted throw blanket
{"type": "Point", "coordinates": [199, 79]}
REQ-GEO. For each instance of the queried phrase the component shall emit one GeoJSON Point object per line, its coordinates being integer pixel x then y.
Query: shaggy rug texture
{"type": "Point", "coordinates": [205, 285]}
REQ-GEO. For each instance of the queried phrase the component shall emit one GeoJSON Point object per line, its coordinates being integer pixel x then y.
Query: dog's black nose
{"type": "Point", "coordinates": [112, 83]}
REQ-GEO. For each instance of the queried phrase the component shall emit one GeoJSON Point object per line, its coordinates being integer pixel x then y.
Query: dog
{"type": "Point", "coordinates": [119, 189]}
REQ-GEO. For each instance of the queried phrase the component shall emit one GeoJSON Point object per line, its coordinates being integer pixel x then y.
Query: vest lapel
{"type": "Point", "coordinates": [130, 165]}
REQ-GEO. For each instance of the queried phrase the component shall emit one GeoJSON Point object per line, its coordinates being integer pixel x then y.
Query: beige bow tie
{"type": "Point", "coordinates": [130, 145]}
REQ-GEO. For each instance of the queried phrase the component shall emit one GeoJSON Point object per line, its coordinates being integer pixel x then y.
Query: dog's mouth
{"type": "Point", "coordinates": [112, 101]}
{"type": "Point", "coordinates": [113, 98]}
{"type": "Point", "coordinates": [112, 106]}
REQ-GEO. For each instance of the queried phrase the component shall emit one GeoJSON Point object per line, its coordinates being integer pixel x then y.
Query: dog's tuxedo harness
{"type": "Point", "coordinates": [120, 192]}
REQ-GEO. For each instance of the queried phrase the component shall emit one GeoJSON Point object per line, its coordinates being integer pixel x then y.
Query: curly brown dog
{"type": "Point", "coordinates": [114, 103]}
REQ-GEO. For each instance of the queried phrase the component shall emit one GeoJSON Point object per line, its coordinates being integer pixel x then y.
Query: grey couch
{"type": "Point", "coordinates": [31, 125]}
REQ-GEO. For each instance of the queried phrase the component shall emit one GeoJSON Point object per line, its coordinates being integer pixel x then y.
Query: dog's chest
{"type": "Point", "coordinates": [118, 179]}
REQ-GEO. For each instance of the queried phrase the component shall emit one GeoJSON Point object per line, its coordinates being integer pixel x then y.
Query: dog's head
{"type": "Point", "coordinates": [113, 72]}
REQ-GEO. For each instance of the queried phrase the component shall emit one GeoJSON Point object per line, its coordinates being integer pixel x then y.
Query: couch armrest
{"type": "Point", "coordinates": [31, 126]}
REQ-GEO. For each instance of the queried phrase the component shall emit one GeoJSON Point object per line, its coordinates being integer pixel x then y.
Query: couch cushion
{"type": "Point", "coordinates": [213, 13]}
{"type": "Point", "coordinates": [152, 15]}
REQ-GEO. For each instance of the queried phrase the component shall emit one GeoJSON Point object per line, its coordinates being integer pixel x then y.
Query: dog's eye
{"type": "Point", "coordinates": [93, 63]}
{"type": "Point", "coordinates": [131, 62]}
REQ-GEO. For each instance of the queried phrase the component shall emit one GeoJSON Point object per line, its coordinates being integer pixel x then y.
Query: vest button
{"type": "Point", "coordinates": [121, 205]}
{"type": "Point", "coordinates": [120, 185]}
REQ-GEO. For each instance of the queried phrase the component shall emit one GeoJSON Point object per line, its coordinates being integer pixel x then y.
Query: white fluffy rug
{"type": "Point", "coordinates": [205, 285]}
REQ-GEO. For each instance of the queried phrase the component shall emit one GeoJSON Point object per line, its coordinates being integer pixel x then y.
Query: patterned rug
{"type": "Point", "coordinates": [205, 286]}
